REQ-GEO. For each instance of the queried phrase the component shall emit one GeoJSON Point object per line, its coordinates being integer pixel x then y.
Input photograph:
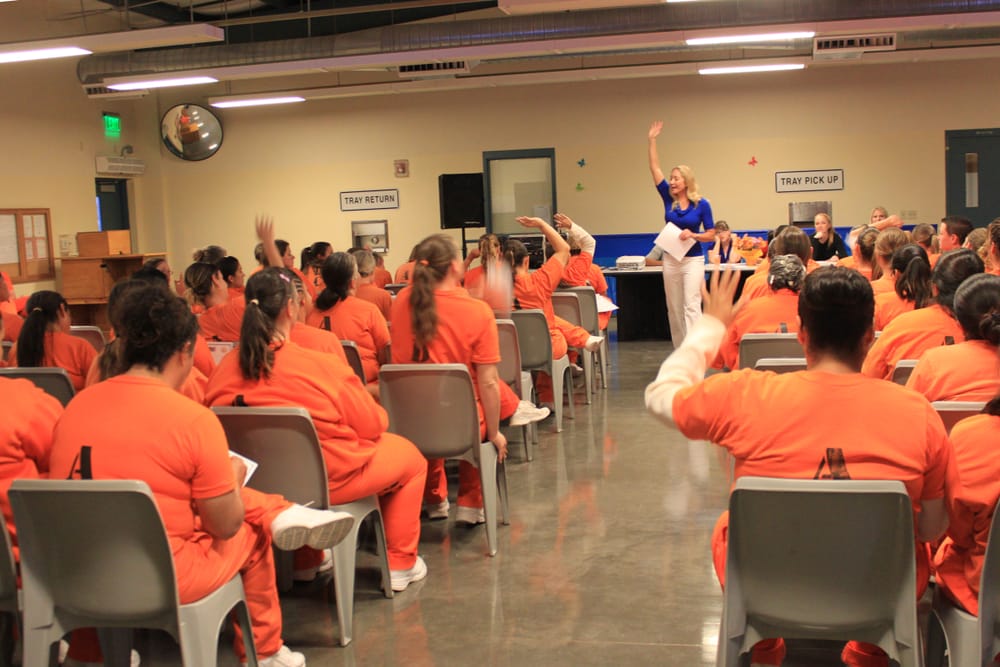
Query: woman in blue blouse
{"type": "Point", "coordinates": [682, 279]}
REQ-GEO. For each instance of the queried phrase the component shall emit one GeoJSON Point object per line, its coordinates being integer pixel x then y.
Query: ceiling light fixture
{"type": "Point", "coordinates": [741, 39]}
{"type": "Point", "coordinates": [255, 102]}
{"type": "Point", "coordinates": [746, 69]}
{"type": "Point", "coordinates": [139, 84]}
{"type": "Point", "coordinates": [42, 54]}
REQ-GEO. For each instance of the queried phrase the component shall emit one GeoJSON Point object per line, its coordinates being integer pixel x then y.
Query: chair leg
{"type": "Point", "coordinates": [604, 361]}
{"type": "Point", "coordinates": [383, 554]}
{"type": "Point", "coordinates": [568, 383]}
{"type": "Point", "coordinates": [502, 489]}
{"type": "Point", "coordinates": [588, 374]}
{"type": "Point", "coordinates": [526, 435]}
{"type": "Point", "coordinates": [243, 618]}
{"type": "Point", "coordinates": [344, 555]}
{"type": "Point", "coordinates": [557, 394]}
{"type": "Point", "coordinates": [488, 479]}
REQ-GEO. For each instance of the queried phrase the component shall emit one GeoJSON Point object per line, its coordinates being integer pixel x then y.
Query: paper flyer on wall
{"type": "Point", "coordinates": [669, 240]}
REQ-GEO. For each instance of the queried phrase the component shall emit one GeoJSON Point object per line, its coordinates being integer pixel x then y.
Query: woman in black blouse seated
{"type": "Point", "coordinates": [826, 243]}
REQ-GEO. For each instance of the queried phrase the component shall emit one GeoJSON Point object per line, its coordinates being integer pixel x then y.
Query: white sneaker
{"type": "Point", "coordinates": [300, 526]}
{"type": "Point", "coordinates": [527, 413]}
{"type": "Point", "coordinates": [577, 370]}
{"type": "Point", "coordinates": [403, 578]}
{"type": "Point", "coordinates": [285, 657]}
{"type": "Point", "coordinates": [134, 658]}
{"type": "Point", "coordinates": [470, 515]}
{"type": "Point", "coordinates": [594, 343]}
{"type": "Point", "coordinates": [439, 511]}
{"type": "Point", "coordinates": [310, 573]}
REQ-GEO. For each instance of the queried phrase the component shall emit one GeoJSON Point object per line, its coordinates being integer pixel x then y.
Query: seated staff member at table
{"type": "Point", "coordinates": [780, 425]}
{"type": "Point", "coordinates": [958, 563]}
{"type": "Point", "coordinates": [437, 322]}
{"type": "Point", "coordinates": [911, 334]}
{"type": "Point", "coordinates": [216, 528]}
{"type": "Point", "coordinates": [687, 209]}
{"type": "Point", "coordinates": [826, 242]}
{"type": "Point", "coordinates": [775, 313]}
{"type": "Point", "coordinates": [361, 458]}
{"type": "Point", "coordinates": [968, 371]}
{"type": "Point", "coordinates": [789, 241]}
{"type": "Point", "coordinates": [350, 318]}
{"type": "Point", "coordinates": [366, 288]}
{"type": "Point", "coordinates": [886, 243]}
{"type": "Point", "coordinates": [722, 251]}
{"type": "Point", "coordinates": [45, 340]}
{"type": "Point", "coordinates": [912, 288]}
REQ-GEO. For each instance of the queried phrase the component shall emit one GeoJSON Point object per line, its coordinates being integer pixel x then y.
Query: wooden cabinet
{"type": "Point", "coordinates": [87, 282]}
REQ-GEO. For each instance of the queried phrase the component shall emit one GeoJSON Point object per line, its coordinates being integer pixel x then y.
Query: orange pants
{"type": "Point", "coordinates": [772, 651]}
{"type": "Point", "coordinates": [564, 335]}
{"type": "Point", "coordinates": [396, 473]}
{"type": "Point", "coordinates": [209, 563]}
{"type": "Point", "coordinates": [470, 487]}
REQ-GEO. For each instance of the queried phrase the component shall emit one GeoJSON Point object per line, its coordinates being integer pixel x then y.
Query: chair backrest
{"type": "Point", "coordinates": [394, 288]}
{"type": "Point", "coordinates": [431, 405]}
{"type": "Point", "coordinates": [588, 307]}
{"type": "Point", "coordinates": [952, 412]}
{"type": "Point", "coordinates": [509, 367]}
{"type": "Point", "coordinates": [7, 344]}
{"type": "Point", "coordinates": [989, 594]}
{"type": "Point", "coordinates": [778, 365]}
{"type": "Point", "coordinates": [567, 306]}
{"type": "Point", "coordinates": [94, 549]}
{"type": "Point", "coordinates": [793, 543]}
{"type": "Point", "coordinates": [354, 358]}
{"type": "Point", "coordinates": [220, 348]}
{"type": "Point", "coordinates": [901, 373]}
{"type": "Point", "coordinates": [8, 574]}
{"type": "Point", "coordinates": [533, 339]}
{"type": "Point", "coordinates": [284, 443]}
{"type": "Point", "coordinates": [53, 381]}
{"type": "Point", "coordinates": [756, 346]}
{"type": "Point", "coordinates": [91, 334]}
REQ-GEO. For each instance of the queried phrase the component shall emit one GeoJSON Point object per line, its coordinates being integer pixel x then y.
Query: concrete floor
{"type": "Point", "coordinates": [606, 560]}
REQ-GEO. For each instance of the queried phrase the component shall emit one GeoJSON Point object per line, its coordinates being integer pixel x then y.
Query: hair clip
{"type": "Point", "coordinates": [255, 302]}
{"type": "Point", "coordinates": [424, 262]}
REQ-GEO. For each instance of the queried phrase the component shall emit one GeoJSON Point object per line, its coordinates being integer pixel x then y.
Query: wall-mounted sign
{"type": "Point", "coordinates": [809, 180]}
{"type": "Point", "coordinates": [368, 200]}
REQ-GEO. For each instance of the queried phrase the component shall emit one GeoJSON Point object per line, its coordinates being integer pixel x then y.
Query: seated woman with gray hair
{"type": "Point", "coordinates": [777, 312]}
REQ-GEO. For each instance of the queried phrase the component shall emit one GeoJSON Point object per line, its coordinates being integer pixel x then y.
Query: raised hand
{"type": "Point", "coordinates": [655, 128]}
{"type": "Point", "coordinates": [562, 221]}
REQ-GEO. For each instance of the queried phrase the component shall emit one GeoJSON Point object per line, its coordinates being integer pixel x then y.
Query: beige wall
{"type": "Point", "coordinates": [884, 125]}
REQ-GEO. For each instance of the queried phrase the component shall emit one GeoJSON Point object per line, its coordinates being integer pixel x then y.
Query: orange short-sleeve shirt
{"type": "Point", "coordinates": [404, 273]}
{"type": "Point", "coordinates": [968, 371]}
{"type": "Point", "coordinates": [358, 321]}
{"type": "Point", "coordinates": [141, 428]}
{"type": "Point", "coordinates": [883, 285]}
{"type": "Point", "coordinates": [889, 306]}
{"type": "Point", "coordinates": [535, 289]}
{"type": "Point", "coordinates": [317, 340]}
{"type": "Point", "coordinates": [908, 337]}
{"type": "Point", "coordinates": [763, 315]}
{"type": "Point", "coordinates": [71, 353]}
{"type": "Point", "coordinates": [377, 296]}
{"type": "Point", "coordinates": [347, 419]}
{"type": "Point", "coordinates": [473, 277]}
{"type": "Point", "coordinates": [577, 269]}
{"type": "Point", "coordinates": [203, 359]}
{"type": "Point", "coordinates": [381, 277]}
{"type": "Point", "coordinates": [223, 322]}
{"type": "Point", "coordinates": [12, 324]}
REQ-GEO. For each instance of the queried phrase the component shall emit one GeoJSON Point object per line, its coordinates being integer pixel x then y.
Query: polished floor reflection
{"type": "Point", "coordinates": [606, 560]}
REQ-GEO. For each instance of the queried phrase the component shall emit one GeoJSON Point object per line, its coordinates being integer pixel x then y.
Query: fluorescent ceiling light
{"type": "Point", "coordinates": [133, 84]}
{"type": "Point", "coordinates": [744, 69]}
{"type": "Point", "coordinates": [42, 54]}
{"type": "Point", "coordinates": [262, 101]}
{"type": "Point", "coordinates": [740, 39]}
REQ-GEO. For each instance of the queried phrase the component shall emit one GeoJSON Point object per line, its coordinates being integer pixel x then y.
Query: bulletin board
{"type": "Point", "coordinates": [26, 244]}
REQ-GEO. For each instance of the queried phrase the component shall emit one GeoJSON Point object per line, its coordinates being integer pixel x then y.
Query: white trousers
{"type": "Point", "coordinates": [682, 281]}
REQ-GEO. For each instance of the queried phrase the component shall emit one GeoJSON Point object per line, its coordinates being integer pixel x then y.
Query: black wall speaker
{"type": "Point", "coordinates": [462, 203]}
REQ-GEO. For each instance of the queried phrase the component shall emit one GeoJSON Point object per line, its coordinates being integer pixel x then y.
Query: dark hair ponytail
{"type": "Point", "coordinates": [198, 280]}
{"type": "Point", "coordinates": [267, 292]}
{"type": "Point", "coordinates": [338, 272]}
{"type": "Point", "coordinates": [309, 257]}
{"type": "Point", "coordinates": [954, 267]}
{"type": "Point", "coordinates": [433, 256]}
{"type": "Point", "coordinates": [993, 407]}
{"type": "Point", "coordinates": [913, 271]}
{"type": "Point", "coordinates": [42, 309]}
{"type": "Point", "coordinates": [977, 308]}
{"type": "Point", "coordinates": [514, 253]}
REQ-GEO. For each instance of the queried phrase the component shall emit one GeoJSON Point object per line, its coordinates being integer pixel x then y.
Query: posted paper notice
{"type": "Point", "coordinates": [670, 242]}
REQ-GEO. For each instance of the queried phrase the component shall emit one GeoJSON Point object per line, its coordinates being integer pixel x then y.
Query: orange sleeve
{"type": "Point", "coordinates": [550, 274]}
{"type": "Point", "coordinates": [379, 330]}
{"type": "Point", "coordinates": [876, 361]}
{"type": "Point", "coordinates": [704, 411]}
{"type": "Point", "coordinates": [209, 452]}
{"type": "Point", "coordinates": [203, 359]}
{"type": "Point", "coordinates": [94, 372]}
{"type": "Point", "coordinates": [730, 350]}
{"type": "Point", "coordinates": [486, 346]}
{"type": "Point", "coordinates": [40, 419]}
{"type": "Point", "coordinates": [578, 269]}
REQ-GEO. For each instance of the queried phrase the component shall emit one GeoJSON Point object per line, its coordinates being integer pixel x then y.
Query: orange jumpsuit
{"type": "Point", "coordinates": [361, 458]}
{"type": "Point", "coordinates": [319, 340]}
{"type": "Point", "coordinates": [909, 336]}
{"type": "Point", "coordinates": [763, 315]}
{"type": "Point", "coordinates": [466, 334]}
{"type": "Point", "coordinates": [756, 285]}
{"type": "Point", "coordinates": [359, 321]}
{"type": "Point", "coordinates": [11, 325]}
{"type": "Point", "coordinates": [381, 277]}
{"type": "Point", "coordinates": [580, 271]}
{"type": "Point", "coordinates": [184, 457]}
{"type": "Point", "coordinates": [889, 306]}
{"type": "Point", "coordinates": [378, 296]}
{"type": "Point", "coordinates": [203, 359]}
{"type": "Point", "coordinates": [968, 371]}
{"type": "Point", "coordinates": [404, 273]}
{"type": "Point", "coordinates": [883, 285]}
{"type": "Point", "coordinates": [29, 417]}
{"type": "Point", "coordinates": [534, 290]}
{"type": "Point", "coordinates": [223, 322]}
{"type": "Point", "coordinates": [70, 353]}
{"type": "Point", "coordinates": [958, 563]}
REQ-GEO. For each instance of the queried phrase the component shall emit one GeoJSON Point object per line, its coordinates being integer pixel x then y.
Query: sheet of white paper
{"type": "Point", "coordinates": [670, 242]}
{"type": "Point", "coordinates": [250, 464]}
{"type": "Point", "coordinates": [605, 305]}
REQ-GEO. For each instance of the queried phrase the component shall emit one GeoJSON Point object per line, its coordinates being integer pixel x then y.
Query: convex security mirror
{"type": "Point", "coordinates": [191, 132]}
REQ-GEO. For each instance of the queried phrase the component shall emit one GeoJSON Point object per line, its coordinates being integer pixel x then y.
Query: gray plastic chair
{"type": "Point", "coordinates": [434, 407]}
{"type": "Point", "coordinates": [284, 444]}
{"type": "Point", "coordinates": [510, 372]}
{"type": "Point", "coordinates": [6, 349]}
{"type": "Point", "coordinates": [591, 322]}
{"type": "Point", "coordinates": [754, 346]}
{"type": "Point", "coordinates": [53, 381]}
{"type": "Point", "coordinates": [91, 334]}
{"type": "Point", "coordinates": [354, 358]}
{"type": "Point", "coordinates": [901, 373]}
{"type": "Point", "coordinates": [778, 365]}
{"type": "Point", "coordinates": [535, 342]}
{"type": "Point", "coordinates": [969, 641]}
{"type": "Point", "coordinates": [952, 412]}
{"type": "Point", "coordinates": [567, 306]}
{"type": "Point", "coordinates": [394, 288]}
{"type": "Point", "coordinates": [94, 553]}
{"type": "Point", "coordinates": [820, 559]}
{"type": "Point", "coordinates": [10, 601]}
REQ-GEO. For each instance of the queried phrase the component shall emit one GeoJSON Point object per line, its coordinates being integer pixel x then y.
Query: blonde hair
{"type": "Point", "coordinates": [690, 183]}
{"type": "Point", "coordinates": [886, 243]}
{"type": "Point", "coordinates": [829, 221]}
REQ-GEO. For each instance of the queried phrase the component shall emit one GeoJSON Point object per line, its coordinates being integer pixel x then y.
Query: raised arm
{"type": "Point", "coordinates": [560, 248]}
{"type": "Point", "coordinates": [581, 236]}
{"type": "Point", "coordinates": [265, 232]}
{"type": "Point", "coordinates": [654, 158]}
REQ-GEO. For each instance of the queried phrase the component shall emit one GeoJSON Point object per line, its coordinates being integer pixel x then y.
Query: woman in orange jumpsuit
{"type": "Point", "coordinates": [45, 340]}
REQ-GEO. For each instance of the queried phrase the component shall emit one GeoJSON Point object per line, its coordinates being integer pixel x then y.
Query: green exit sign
{"type": "Point", "coordinates": [112, 125]}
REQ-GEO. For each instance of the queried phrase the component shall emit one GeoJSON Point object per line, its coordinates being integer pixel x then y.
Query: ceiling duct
{"type": "Point", "coordinates": [503, 34]}
{"type": "Point", "coordinates": [845, 47]}
{"type": "Point", "coordinates": [435, 70]}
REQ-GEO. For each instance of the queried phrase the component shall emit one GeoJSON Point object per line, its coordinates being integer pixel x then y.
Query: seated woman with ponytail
{"type": "Point", "coordinates": [436, 321]}
{"type": "Point", "coordinates": [888, 242]}
{"type": "Point", "coordinates": [219, 317]}
{"type": "Point", "coordinates": [232, 274]}
{"type": "Point", "coordinates": [45, 340]}
{"type": "Point", "coordinates": [968, 371]}
{"type": "Point", "coordinates": [911, 271]}
{"type": "Point", "coordinates": [361, 458]}
{"type": "Point", "coordinates": [350, 318]}
{"type": "Point", "coordinates": [581, 270]}
{"type": "Point", "coordinates": [489, 254]}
